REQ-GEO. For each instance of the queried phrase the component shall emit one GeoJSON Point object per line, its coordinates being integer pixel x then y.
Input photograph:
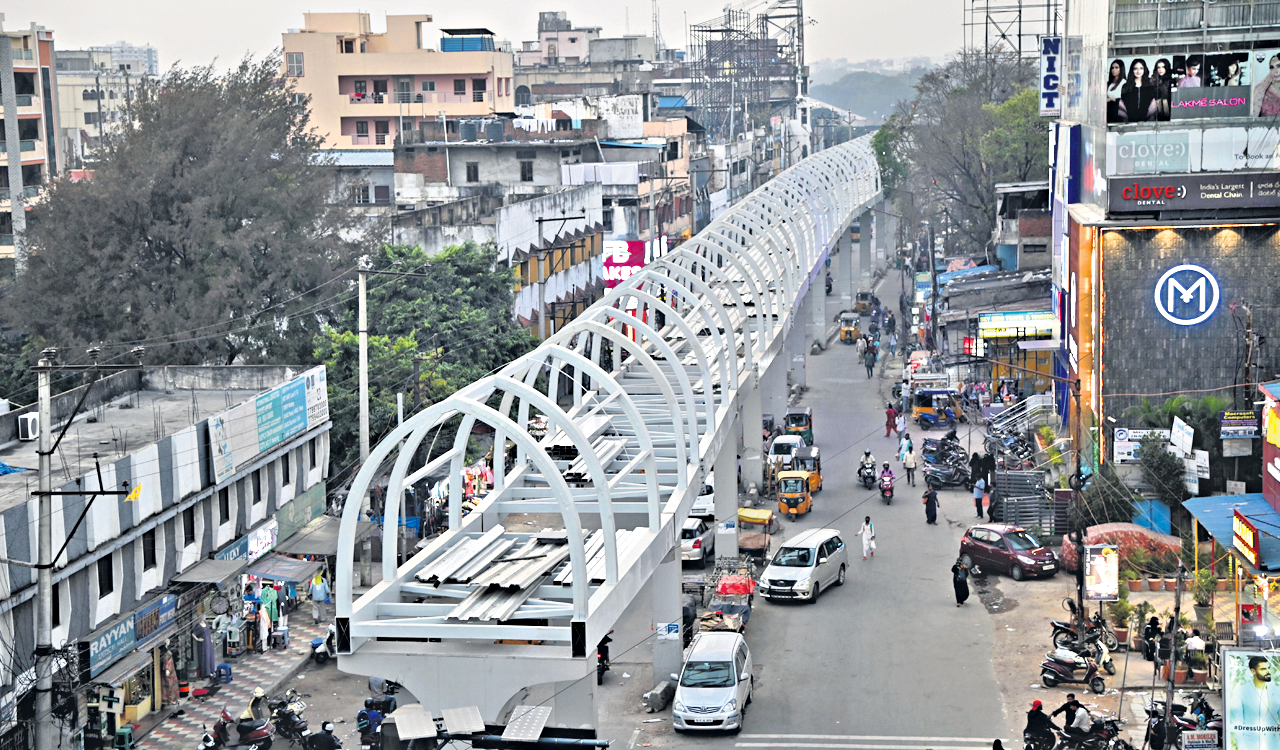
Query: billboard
{"type": "Point", "coordinates": [1163, 86]}
{"type": "Point", "coordinates": [622, 258]}
{"type": "Point", "coordinates": [1194, 192]}
{"type": "Point", "coordinates": [996, 325]}
{"type": "Point", "coordinates": [253, 427]}
{"type": "Point", "coordinates": [1209, 149]}
{"type": "Point", "coordinates": [1251, 697]}
{"type": "Point", "coordinates": [1101, 573]}
{"type": "Point", "coordinates": [1050, 76]}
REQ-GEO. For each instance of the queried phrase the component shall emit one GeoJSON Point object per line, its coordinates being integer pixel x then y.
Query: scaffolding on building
{"type": "Point", "coordinates": [1011, 25]}
{"type": "Point", "coordinates": [747, 66]}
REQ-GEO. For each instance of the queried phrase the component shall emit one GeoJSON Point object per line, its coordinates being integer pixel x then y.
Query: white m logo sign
{"type": "Point", "coordinates": [1200, 287]}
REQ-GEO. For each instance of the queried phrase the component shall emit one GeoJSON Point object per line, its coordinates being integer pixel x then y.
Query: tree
{"type": "Point", "coordinates": [1105, 499]}
{"type": "Point", "coordinates": [453, 314]}
{"type": "Point", "coordinates": [205, 228]}
{"type": "Point", "coordinates": [867, 93]}
{"type": "Point", "coordinates": [1162, 470]}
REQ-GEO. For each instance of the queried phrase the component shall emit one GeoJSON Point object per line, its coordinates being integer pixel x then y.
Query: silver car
{"type": "Point", "coordinates": [698, 541]}
{"type": "Point", "coordinates": [805, 566]}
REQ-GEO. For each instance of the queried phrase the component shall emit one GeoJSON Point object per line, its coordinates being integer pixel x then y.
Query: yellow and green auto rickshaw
{"type": "Point", "coordinates": [933, 401]}
{"type": "Point", "coordinates": [849, 327]}
{"type": "Point", "coordinates": [800, 422]}
{"type": "Point", "coordinates": [794, 498]}
{"type": "Point", "coordinates": [808, 462]}
{"type": "Point", "coordinates": [862, 303]}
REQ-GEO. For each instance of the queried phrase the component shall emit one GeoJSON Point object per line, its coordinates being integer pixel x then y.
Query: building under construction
{"type": "Point", "coordinates": [747, 66]}
{"type": "Point", "coordinates": [1010, 25]}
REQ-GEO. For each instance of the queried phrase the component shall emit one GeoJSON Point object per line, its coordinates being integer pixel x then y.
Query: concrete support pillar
{"type": "Point", "coordinates": [726, 469]}
{"type": "Point", "coordinates": [752, 445]}
{"type": "Point", "coordinates": [773, 388]}
{"type": "Point", "coordinates": [574, 703]}
{"type": "Point", "coordinates": [846, 278]}
{"type": "Point", "coordinates": [818, 314]}
{"type": "Point", "coordinates": [864, 246]}
{"type": "Point", "coordinates": [668, 648]}
{"type": "Point", "coordinates": [884, 243]}
{"type": "Point", "coordinates": [797, 344]}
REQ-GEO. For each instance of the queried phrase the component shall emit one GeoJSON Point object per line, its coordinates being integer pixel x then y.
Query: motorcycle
{"type": "Point", "coordinates": [867, 474]}
{"type": "Point", "coordinates": [929, 421]}
{"type": "Point", "coordinates": [286, 715]}
{"type": "Point", "coordinates": [1031, 741]}
{"type": "Point", "coordinates": [886, 489]}
{"type": "Point", "coordinates": [828, 283]}
{"type": "Point", "coordinates": [1103, 734]}
{"type": "Point", "coordinates": [324, 649]}
{"type": "Point", "coordinates": [1064, 666]}
{"type": "Point", "coordinates": [387, 703]}
{"type": "Point", "coordinates": [602, 659]}
{"type": "Point", "coordinates": [1156, 734]}
{"type": "Point", "coordinates": [942, 475]}
{"type": "Point", "coordinates": [252, 734]}
{"type": "Point", "coordinates": [1205, 716]}
{"type": "Point", "coordinates": [1093, 647]}
{"type": "Point", "coordinates": [1065, 633]}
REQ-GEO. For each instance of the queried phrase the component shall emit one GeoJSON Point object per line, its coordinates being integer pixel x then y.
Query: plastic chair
{"type": "Point", "coordinates": [223, 674]}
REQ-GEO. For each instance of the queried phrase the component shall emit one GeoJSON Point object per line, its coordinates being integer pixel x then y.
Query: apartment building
{"type": "Point", "coordinates": [138, 60]}
{"type": "Point", "coordinates": [365, 88]}
{"type": "Point", "coordinates": [559, 42]}
{"type": "Point", "coordinates": [93, 88]}
{"type": "Point", "coordinates": [228, 463]}
{"type": "Point", "coordinates": [35, 85]}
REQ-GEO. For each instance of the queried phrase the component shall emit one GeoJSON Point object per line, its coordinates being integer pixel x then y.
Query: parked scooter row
{"type": "Point", "coordinates": [1079, 657]}
{"type": "Point", "coordinates": [946, 463]}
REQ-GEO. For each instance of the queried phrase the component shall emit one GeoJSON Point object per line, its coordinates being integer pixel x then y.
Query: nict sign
{"type": "Point", "coordinates": [1050, 76]}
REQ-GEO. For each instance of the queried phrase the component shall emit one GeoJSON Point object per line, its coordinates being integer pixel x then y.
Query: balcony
{"type": "Point", "coordinates": [377, 139]}
{"type": "Point", "coordinates": [28, 191]}
{"type": "Point", "coordinates": [22, 146]}
{"type": "Point", "coordinates": [1168, 18]}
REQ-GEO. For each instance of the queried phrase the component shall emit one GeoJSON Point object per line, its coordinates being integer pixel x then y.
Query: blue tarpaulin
{"type": "Point", "coordinates": [7, 469]}
{"type": "Point", "coordinates": [947, 276]}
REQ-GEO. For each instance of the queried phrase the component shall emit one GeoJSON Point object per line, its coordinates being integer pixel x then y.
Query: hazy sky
{"type": "Point", "coordinates": [193, 34]}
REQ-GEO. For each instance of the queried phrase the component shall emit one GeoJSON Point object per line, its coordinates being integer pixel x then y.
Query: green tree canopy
{"type": "Point", "coordinates": [1162, 470]}
{"type": "Point", "coordinates": [203, 232]}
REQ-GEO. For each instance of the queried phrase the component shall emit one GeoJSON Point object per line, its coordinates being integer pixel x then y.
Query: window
{"type": "Point", "coordinates": [479, 86]}
{"type": "Point", "coordinates": [257, 487]}
{"type": "Point", "coordinates": [91, 118]}
{"type": "Point", "coordinates": [149, 549]}
{"type": "Point", "coordinates": [459, 85]}
{"type": "Point", "coordinates": [299, 100]}
{"type": "Point", "coordinates": [361, 87]}
{"type": "Point", "coordinates": [526, 171]}
{"type": "Point", "coordinates": [311, 451]}
{"type": "Point", "coordinates": [573, 40]}
{"type": "Point", "coordinates": [428, 85]}
{"type": "Point", "coordinates": [293, 64]}
{"type": "Point", "coordinates": [1035, 248]}
{"type": "Point", "coordinates": [360, 194]}
{"type": "Point", "coordinates": [473, 171]}
{"type": "Point", "coordinates": [346, 46]}
{"type": "Point", "coordinates": [607, 219]}
{"type": "Point", "coordinates": [523, 95]}
{"type": "Point", "coordinates": [529, 154]}
{"type": "Point", "coordinates": [673, 150]}
{"type": "Point", "coordinates": [644, 220]}
{"type": "Point", "coordinates": [362, 127]}
{"type": "Point", "coordinates": [106, 577]}
{"type": "Point", "coordinates": [224, 505]}
{"type": "Point", "coordinates": [189, 527]}
{"type": "Point", "coordinates": [286, 469]}
{"type": "Point", "coordinates": [381, 194]}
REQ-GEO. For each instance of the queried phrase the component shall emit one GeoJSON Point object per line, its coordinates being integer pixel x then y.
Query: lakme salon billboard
{"type": "Point", "coordinates": [1159, 86]}
{"type": "Point", "coordinates": [1252, 700]}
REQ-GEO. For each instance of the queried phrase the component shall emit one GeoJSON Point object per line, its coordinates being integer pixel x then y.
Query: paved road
{"type": "Point", "coordinates": [887, 661]}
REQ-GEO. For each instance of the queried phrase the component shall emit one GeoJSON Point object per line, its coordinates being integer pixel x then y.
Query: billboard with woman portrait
{"type": "Point", "coordinates": [1158, 87]}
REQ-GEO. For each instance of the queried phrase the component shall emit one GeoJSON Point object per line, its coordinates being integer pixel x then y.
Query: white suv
{"type": "Point", "coordinates": [714, 688]}
{"type": "Point", "coordinates": [806, 565]}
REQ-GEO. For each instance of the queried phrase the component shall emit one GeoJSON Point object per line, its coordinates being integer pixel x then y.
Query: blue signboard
{"type": "Point", "coordinates": [112, 644]}
{"type": "Point", "coordinates": [238, 550]}
{"type": "Point", "coordinates": [282, 413]}
{"type": "Point", "coordinates": [154, 617]}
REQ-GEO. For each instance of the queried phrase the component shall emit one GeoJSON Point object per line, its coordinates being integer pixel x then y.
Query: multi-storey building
{"type": "Point", "coordinates": [559, 42]}
{"type": "Point", "coordinates": [1165, 198]}
{"type": "Point", "coordinates": [223, 465]}
{"type": "Point", "coordinates": [131, 58]}
{"type": "Point", "coordinates": [93, 88]}
{"type": "Point", "coordinates": [35, 85]}
{"type": "Point", "coordinates": [365, 87]}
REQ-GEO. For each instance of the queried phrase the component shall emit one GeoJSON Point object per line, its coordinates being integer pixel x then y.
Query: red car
{"type": "Point", "coordinates": [1001, 548]}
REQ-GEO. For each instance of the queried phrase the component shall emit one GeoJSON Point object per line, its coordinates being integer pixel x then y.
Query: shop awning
{"type": "Point", "coordinates": [125, 668]}
{"type": "Point", "coordinates": [320, 537]}
{"type": "Point", "coordinates": [210, 571]}
{"type": "Point", "coordinates": [1216, 514]}
{"type": "Point", "coordinates": [281, 568]}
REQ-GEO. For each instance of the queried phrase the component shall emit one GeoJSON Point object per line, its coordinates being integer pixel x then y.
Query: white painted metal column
{"type": "Point", "coordinates": [668, 651]}
{"type": "Point", "coordinates": [726, 468]}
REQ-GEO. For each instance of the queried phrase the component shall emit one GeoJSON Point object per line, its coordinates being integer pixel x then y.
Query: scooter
{"type": "Point", "coordinates": [942, 475]}
{"type": "Point", "coordinates": [1156, 733]}
{"type": "Point", "coordinates": [1065, 633]}
{"type": "Point", "coordinates": [1093, 647]}
{"type": "Point", "coordinates": [1205, 716]}
{"type": "Point", "coordinates": [886, 490]}
{"type": "Point", "coordinates": [602, 659]}
{"type": "Point", "coordinates": [867, 474]}
{"type": "Point", "coordinates": [252, 734]}
{"type": "Point", "coordinates": [1064, 666]}
{"type": "Point", "coordinates": [929, 421]}
{"type": "Point", "coordinates": [324, 649]}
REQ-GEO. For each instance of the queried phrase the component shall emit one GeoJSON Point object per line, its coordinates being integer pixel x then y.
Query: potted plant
{"type": "Point", "coordinates": [1121, 612]}
{"type": "Point", "coordinates": [1199, 664]}
{"type": "Point", "coordinates": [1180, 671]}
{"type": "Point", "coordinates": [1203, 587]}
{"type": "Point", "coordinates": [1141, 611]}
{"type": "Point", "coordinates": [1129, 579]}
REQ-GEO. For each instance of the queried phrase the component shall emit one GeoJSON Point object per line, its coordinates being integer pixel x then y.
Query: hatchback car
{"type": "Point", "coordinates": [705, 503]}
{"type": "Point", "coordinates": [697, 541]}
{"type": "Point", "coordinates": [807, 564]}
{"type": "Point", "coordinates": [714, 687]}
{"type": "Point", "coordinates": [1007, 549]}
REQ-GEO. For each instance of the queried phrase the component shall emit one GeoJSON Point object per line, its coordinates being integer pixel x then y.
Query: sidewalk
{"type": "Point", "coordinates": [187, 721]}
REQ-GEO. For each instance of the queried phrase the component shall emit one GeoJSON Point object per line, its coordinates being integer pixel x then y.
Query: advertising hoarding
{"type": "Point", "coordinates": [242, 432]}
{"type": "Point", "coordinates": [622, 258]}
{"type": "Point", "coordinates": [1163, 86]}
{"type": "Point", "coordinates": [1244, 537]}
{"type": "Point", "coordinates": [1199, 149]}
{"type": "Point", "coordinates": [1050, 76]}
{"type": "Point", "coordinates": [1194, 192]}
{"type": "Point", "coordinates": [995, 325]}
{"type": "Point", "coordinates": [1238, 424]}
{"type": "Point", "coordinates": [1251, 697]}
{"type": "Point", "coordinates": [1125, 443]}
{"type": "Point", "coordinates": [1101, 573]}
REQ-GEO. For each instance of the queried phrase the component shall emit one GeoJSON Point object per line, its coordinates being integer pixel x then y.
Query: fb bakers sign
{"type": "Point", "coordinates": [1194, 192]}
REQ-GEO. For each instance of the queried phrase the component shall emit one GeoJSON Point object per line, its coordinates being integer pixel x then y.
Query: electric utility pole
{"type": "Point", "coordinates": [46, 728]}
{"type": "Point", "coordinates": [1171, 731]}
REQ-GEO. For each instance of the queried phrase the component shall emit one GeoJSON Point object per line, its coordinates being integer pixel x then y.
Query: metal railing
{"type": "Point", "coordinates": [1024, 413]}
{"type": "Point", "coordinates": [1163, 17]}
{"type": "Point", "coordinates": [365, 139]}
{"type": "Point", "coordinates": [28, 145]}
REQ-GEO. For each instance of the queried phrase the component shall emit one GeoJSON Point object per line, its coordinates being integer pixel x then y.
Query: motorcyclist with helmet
{"type": "Point", "coordinates": [1040, 728]}
{"type": "Point", "coordinates": [867, 468]}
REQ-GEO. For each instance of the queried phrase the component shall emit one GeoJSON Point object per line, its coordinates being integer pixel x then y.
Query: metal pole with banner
{"type": "Point", "coordinates": [1101, 573]}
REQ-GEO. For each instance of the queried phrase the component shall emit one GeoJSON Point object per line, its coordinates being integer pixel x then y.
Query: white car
{"type": "Point", "coordinates": [784, 447]}
{"type": "Point", "coordinates": [714, 687]}
{"type": "Point", "coordinates": [705, 504]}
{"type": "Point", "coordinates": [807, 564]}
{"type": "Point", "coordinates": [698, 540]}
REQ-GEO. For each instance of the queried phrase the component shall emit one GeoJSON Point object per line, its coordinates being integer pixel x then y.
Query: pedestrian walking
{"type": "Point", "coordinates": [860, 346]}
{"type": "Point", "coordinates": [960, 581]}
{"type": "Point", "coordinates": [979, 493]}
{"type": "Point", "coordinates": [904, 442]}
{"type": "Point", "coordinates": [930, 498]}
{"type": "Point", "coordinates": [893, 344]}
{"type": "Point", "coordinates": [319, 595]}
{"type": "Point", "coordinates": [890, 420]}
{"type": "Point", "coordinates": [901, 422]}
{"type": "Point", "coordinates": [869, 359]}
{"type": "Point", "coordinates": [909, 464]}
{"type": "Point", "coordinates": [868, 534]}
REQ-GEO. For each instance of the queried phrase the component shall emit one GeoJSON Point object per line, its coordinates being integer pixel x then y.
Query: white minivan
{"type": "Point", "coordinates": [714, 687]}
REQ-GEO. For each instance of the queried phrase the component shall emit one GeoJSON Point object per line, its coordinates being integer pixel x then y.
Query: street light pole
{"type": "Point", "coordinates": [364, 367]}
{"type": "Point", "coordinates": [45, 727]}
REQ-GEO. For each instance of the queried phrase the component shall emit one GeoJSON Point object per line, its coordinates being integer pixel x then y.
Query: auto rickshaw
{"type": "Point", "coordinates": [794, 499]}
{"type": "Point", "coordinates": [862, 303]}
{"type": "Point", "coordinates": [800, 422]}
{"type": "Point", "coordinates": [808, 462]}
{"type": "Point", "coordinates": [933, 401]}
{"type": "Point", "coordinates": [755, 531]}
{"type": "Point", "coordinates": [849, 327]}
